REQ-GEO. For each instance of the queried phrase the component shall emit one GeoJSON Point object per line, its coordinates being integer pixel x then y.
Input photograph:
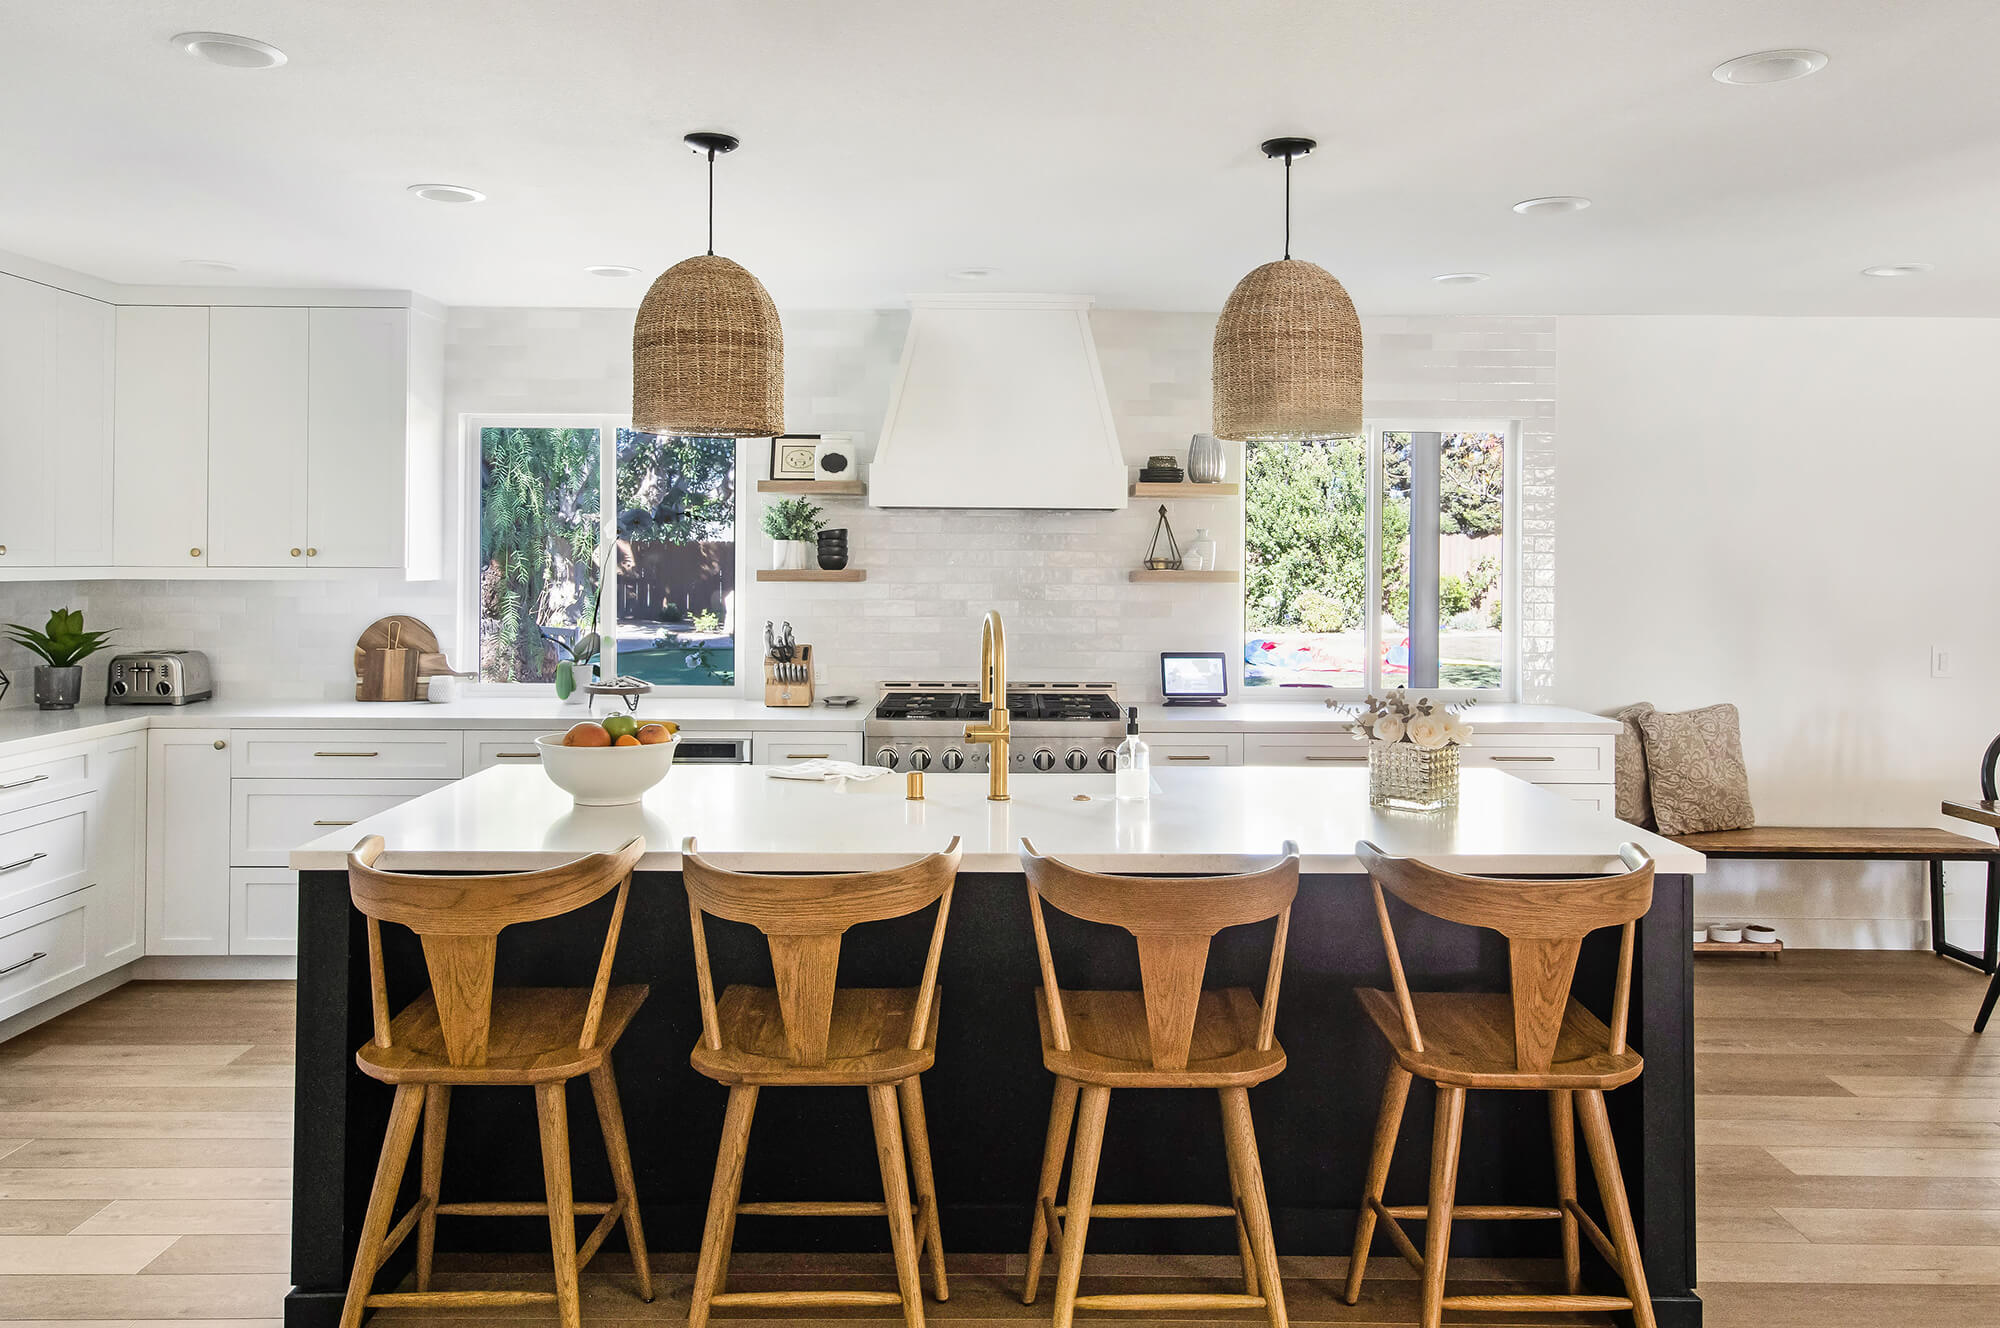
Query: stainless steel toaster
{"type": "Point", "coordinates": [158, 677]}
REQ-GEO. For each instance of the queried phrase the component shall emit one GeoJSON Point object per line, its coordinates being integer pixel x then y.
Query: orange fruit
{"type": "Point", "coordinates": [625, 740]}
{"type": "Point", "coordinates": [587, 735]}
{"type": "Point", "coordinates": [651, 734]}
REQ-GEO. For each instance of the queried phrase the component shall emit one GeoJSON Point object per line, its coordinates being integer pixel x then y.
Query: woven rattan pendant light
{"type": "Point", "coordinates": [708, 356]}
{"type": "Point", "coordinates": [1288, 346]}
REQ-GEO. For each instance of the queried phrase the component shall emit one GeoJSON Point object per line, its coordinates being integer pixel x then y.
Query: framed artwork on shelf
{"type": "Point", "coordinates": [795, 456]}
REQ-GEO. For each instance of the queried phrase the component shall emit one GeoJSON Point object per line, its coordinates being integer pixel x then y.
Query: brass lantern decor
{"type": "Point", "coordinates": [1288, 345]}
{"type": "Point", "coordinates": [708, 355]}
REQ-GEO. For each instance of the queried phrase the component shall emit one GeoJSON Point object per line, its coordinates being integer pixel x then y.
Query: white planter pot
{"type": "Point", "coordinates": [791, 555]}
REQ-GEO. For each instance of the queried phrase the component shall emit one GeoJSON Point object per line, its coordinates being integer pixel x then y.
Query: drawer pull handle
{"type": "Point", "coordinates": [1497, 759]}
{"type": "Point", "coordinates": [347, 753]}
{"type": "Point", "coordinates": [808, 756]}
{"type": "Point", "coordinates": [1172, 757]}
{"type": "Point", "coordinates": [517, 756]}
{"type": "Point", "coordinates": [15, 968]}
{"type": "Point", "coordinates": [333, 823]}
{"type": "Point", "coordinates": [23, 783]}
{"type": "Point", "coordinates": [1342, 760]}
{"type": "Point", "coordinates": [16, 866]}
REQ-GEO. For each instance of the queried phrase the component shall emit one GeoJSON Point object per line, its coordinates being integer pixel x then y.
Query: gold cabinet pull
{"type": "Point", "coordinates": [517, 756]}
{"type": "Point", "coordinates": [333, 823]}
{"type": "Point", "coordinates": [220, 744]}
{"type": "Point", "coordinates": [39, 954]}
{"type": "Point", "coordinates": [808, 756]}
{"type": "Point", "coordinates": [23, 783]}
{"type": "Point", "coordinates": [347, 753]}
{"type": "Point", "coordinates": [194, 553]}
{"type": "Point", "coordinates": [311, 552]}
{"type": "Point", "coordinates": [1338, 760]}
{"type": "Point", "coordinates": [1521, 758]}
{"type": "Point", "coordinates": [1172, 757]}
{"type": "Point", "coordinates": [295, 553]}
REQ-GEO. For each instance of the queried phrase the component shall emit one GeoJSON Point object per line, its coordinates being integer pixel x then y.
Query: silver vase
{"type": "Point", "coordinates": [1204, 462]}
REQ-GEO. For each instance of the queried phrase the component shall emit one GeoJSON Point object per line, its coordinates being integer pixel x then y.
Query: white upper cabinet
{"type": "Point", "coordinates": [27, 521]}
{"type": "Point", "coordinates": [82, 385]}
{"type": "Point", "coordinates": [160, 428]}
{"type": "Point", "coordinates": [357, 424]}
{"type": "Point", "coordinates": [257, 388]}
{"type": "Point", "coordinates": [55, 426]}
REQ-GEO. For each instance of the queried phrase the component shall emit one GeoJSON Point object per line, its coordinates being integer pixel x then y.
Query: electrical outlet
{"type": "Point", "coordinates": [1940, 661]}
{"type": "Point", "coordinates": [819, 675]}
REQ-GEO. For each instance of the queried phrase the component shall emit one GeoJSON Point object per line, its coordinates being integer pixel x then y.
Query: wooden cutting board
{"type": "Point", "coordinates": [415, 634]}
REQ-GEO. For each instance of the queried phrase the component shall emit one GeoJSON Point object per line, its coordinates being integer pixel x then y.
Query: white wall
{"type": "Point", "coordinates": [1788, 514]}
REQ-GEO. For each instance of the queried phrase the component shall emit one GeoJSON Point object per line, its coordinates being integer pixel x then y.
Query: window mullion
{"type": "Point", "coordinates": [607, 537]}
{"type": "Point", "coordinates": [1372, 597]}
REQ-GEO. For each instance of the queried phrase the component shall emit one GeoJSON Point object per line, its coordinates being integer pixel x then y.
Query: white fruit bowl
{"type": "Point", "coordinates": [606, 776]}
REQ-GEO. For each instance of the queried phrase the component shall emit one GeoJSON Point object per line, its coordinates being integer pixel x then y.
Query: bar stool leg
{"type": "Point", "coordinates": [1042, 1235]}
{"type": "Point", "coordinates": [1617, 1210]}
{"type": "Point", "coordinates": [1562, 1126]}
{"type": "Point", "coordinates": [1243, 1249]}
{"type": "Point", "coordinates": [1445, 1136]}
{"type": "Point", "coordinates": [722, 1200]}
{"type": "Point", "coordinates": [611, 1122]}
{"type": "Point", "coordinates": [552, 1107]}
{"type": "Point", "coordinates": [896, 1197]}
{"type": "Point", "coordinates": [437, 1110]}
{"type": "Point", "coordinates": [1389, 1120]}
{"type": "Point", "coordinates": [917, 1138]}
{"type": "Point", "coordinates": [396, 1141]}
{"type": "Point", "coordinates": [1243, 1146]}
{"type": "Point", "coordinates": [1096, 1101]}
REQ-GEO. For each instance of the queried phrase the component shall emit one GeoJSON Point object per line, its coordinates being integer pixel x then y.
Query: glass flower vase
{"type": "Point", "coordinates": [1404, 776]}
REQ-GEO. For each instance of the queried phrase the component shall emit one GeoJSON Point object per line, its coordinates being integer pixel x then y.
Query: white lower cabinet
{"type": "Point", "coordinates": [44, 852]}
{"type": "Point", "coordinates": [1323, 748]}
{"type": "Point", "coordinates": [486, 748]}
{"type": "Point", "coordinates": [778, 747]}
{"type": "Point", "coordinates": [187, 842]}
{"type": "Point", "coordinates": [268, 818]}
{"type": "Point", "coordinates": [263, 911]}
{"type": "Point", "coordinates": [1173, 751]}
{"type": "Point", "coordinates": [118, 853]}
{"type": "Point", "coordinates": [45, 950]}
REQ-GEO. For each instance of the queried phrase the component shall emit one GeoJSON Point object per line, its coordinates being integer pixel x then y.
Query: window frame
{"type": "Point", "coordinates": [1374, 465]}
{"type": "Point", "coordinates": [607, 426]}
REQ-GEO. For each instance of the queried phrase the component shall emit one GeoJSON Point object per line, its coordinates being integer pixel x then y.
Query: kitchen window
{"type": "Point", "coordinates": [1381, 561]}
{"type": "Point", "coordinates": [648, 561]}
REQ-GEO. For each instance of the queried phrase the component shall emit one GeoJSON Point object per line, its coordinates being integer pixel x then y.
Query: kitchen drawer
{"type": "Point", "coordinates": [1182, 753]}
{"type": "Point", "coordinates": [44, 852]}
{"type": "Point", "coordinates": [44, 951]}
{"type": "Point", "coordinates": [782, 747]}
{"type": "Point", "coordinates": [1590, 795]}
{"type": "Point", "coordinates": [46, 776]}
{"type": "Point", "coordinates": [263, 911]}
{"type": "Point", "coordinates": [347, 754]}
{"type": "Point", "coordinates": [1329, 748]}
{"type": "Point", "coordinates": [487, 748]}
{"type": "Point", "coordinates": [1543, 758]}
{"type": "Point", "coordinates": [270, 817]}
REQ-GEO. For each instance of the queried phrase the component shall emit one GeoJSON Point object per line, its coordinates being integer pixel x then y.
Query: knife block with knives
{"type": "Point", "coordinates": [789, 682]}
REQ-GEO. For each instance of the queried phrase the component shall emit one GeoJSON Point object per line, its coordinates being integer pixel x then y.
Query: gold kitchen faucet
{"type": "Point", "coordinates": [993, 691]}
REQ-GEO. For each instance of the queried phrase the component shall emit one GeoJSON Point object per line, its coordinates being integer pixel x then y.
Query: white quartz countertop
{"type": "Point", "coordinates": [1291, 716]}
{"type": "Point", "coordinates": [1197, 821]}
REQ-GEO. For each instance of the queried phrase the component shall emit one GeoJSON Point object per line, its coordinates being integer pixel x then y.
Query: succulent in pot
{"type": "Point", "coordinates": [793, 525]}
{"type": "Point", "coordinates": [62, 645]}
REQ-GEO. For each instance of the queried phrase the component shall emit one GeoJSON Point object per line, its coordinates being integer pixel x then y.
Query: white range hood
{"type": "Point", "coordinates": [999, 403]}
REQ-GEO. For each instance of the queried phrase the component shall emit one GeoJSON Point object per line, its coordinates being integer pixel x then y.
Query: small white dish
{"type": "Point", "coordinates": [605, 776]}
{"type": "Point", "coordinates": [1700, 935]}
{"type": "Point", "coordinates": [1762, 935]}
{"type": "Point", "coordinates": [1725, 935]}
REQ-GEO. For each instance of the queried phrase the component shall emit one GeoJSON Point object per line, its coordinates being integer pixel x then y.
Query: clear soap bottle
{"type": "Point", "coordinates": [1133, 764]}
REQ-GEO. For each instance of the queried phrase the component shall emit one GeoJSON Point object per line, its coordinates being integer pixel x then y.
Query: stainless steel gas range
{"type": "Point", "coordinates": [1054, 725]}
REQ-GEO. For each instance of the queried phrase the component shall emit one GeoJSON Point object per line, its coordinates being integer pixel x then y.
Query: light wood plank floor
{"type": "Point", "coordinates": [1849, 1159]}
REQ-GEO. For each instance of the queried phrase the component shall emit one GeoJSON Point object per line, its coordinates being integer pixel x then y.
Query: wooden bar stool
{"type": "Point", "coordinates": [1172, 1034]}
{"type": "Point", "coordinates": [1536, 1038]}
{"type": "Point", "coordinates": [807, 1032]}
{"type": "Point", "coordinates": [465, 1032]}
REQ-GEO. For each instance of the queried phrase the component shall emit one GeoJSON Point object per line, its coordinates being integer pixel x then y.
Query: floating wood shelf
{"type": "Point", "coordinates": [1147, 574]}
{"type": "Point", "coordinates": [825, 488]}
{"type": "Point", "coordinates": [1739, 947]}
{"type": "Point", "coordinates": [1142, 490]}
{"type": "Point", "coordinates": [812, 574]}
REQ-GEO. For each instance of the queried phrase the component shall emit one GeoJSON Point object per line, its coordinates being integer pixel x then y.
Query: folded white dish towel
{"type": "Point", "coordinates": [828, 772]}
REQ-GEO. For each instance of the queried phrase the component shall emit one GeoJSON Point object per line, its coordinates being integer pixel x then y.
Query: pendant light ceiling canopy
{"type": "Point", "coordinates": [708, 354]}
{"type": "Point", "coordinates": [1288, 344]}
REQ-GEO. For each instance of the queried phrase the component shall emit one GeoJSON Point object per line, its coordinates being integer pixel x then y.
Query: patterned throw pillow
{"type": "Point", "coordinates": [1635, 803]}
{"type": "Point", "coordinates": [1694, 762]}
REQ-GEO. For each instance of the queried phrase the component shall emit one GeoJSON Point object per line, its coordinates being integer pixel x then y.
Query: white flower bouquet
{"type": "Point", "coordinates": [1423, 724]}
{"type": "Point", "coordinates": [1412, 750]}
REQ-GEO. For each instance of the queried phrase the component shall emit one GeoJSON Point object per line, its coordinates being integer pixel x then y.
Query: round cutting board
{"type": "Point", "coordinates": [415, 634]}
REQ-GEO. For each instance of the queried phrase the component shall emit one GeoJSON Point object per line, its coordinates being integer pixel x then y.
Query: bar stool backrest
{"type": "Point", "coordinates": [803, 919]}
{"type": "Point", "coordinates": [1544, 923]}
{"type": "Point", "coordinates": [1173, 919]}
{"type": "Point", "coordinates": [459, 920]}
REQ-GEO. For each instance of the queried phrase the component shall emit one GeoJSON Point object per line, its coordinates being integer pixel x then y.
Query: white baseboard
{"type": "Point", "coordinates": [216, 968]}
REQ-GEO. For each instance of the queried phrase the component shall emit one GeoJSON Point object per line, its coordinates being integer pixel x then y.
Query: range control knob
{"type": "Point", "coordinates": [886, 758]}
{"type": "Point", "coordinates": [1107, 760]}
{"type": "Point", "coordinates": [1044, 759]}
{"type": "Point", "coordinates": [1076, 760]}
{"type": "Point", "coordinates": [920, 759]}
{"type": "Point", "coordinates": [953, 758]}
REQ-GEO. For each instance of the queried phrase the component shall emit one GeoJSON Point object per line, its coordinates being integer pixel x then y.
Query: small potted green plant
{"type": "Point", "coordinates": [793, 525]}
{"type": "Point", "coordinates": [63, 646]}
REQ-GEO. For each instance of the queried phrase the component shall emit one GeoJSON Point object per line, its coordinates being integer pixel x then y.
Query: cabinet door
{"type": "Point", "coordinates": [80, 491]}
{"type": "Point", "coordinates": [160, 437]}
{"type": "Point", "coordinates": [187, 842]}
{"type": "Point", "coordinates": [118, 853]}
{"type": "Point", "coordinates": [263, 911]}
{"type": "Point", "coordinates": [358, 420]}
{"type": "Point", "coordinates": [27, 446]}
{"type": "Point", "coordinates": [256, 437]}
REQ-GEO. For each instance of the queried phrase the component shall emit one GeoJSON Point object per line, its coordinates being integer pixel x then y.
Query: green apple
{"type": "Point", "coordinates": [619, 726]}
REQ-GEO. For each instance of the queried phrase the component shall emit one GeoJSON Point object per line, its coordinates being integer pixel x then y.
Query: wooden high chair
{"type": "Point", "coordinates": [1536, 1037]}
{"type": "Point", "coordinates": [1172, 1034]}
{"type": "Point", "coordinates": [464, 1031]}
{"type": "Point", "coordinates": [808, 1032]}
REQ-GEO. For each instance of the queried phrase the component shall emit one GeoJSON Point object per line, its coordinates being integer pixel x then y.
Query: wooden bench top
{"type": "Point", "coordinates": [1826, 841]}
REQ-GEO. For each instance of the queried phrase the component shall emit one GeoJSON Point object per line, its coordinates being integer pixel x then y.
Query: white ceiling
{"type": "Point", "coordinates": [1099, 146]}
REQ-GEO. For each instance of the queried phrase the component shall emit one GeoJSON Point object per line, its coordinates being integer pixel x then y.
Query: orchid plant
{"type": "Point", "coordinates": [1422, 723]}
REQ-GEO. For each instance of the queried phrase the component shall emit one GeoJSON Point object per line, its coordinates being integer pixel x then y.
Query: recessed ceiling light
{"type": "Point", "coordinates": [1550, 206]}
{"type": "Point", "coordinates": [971, 273]}
{"type": "Point", "coordinates": [1769, 67]}
{"type": "Point", "coordinates": [229, 50]}
{"type": "Point", "coordinates": [1461, 278]}
{"type": "Point", "coordinates": [611, 270]}
{"type": "Point", "coordinates": [447, 193]}
{"type": "Point", "coordinates": [208, 264]}
{"type": "Point", "coordinates": [1896, 270]}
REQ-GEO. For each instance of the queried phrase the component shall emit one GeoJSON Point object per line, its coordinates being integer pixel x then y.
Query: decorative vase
{"type": "Point", "coordinates": [57, 688]}
{"type": "Point", "coordinates": [1404, 776]}
{"type": "Point", "coordinates": [1199, 555]}
{"type": "Point", "coordinates": [566, 689]}
{"type": "Point", "coordinates": [791, 555]}
{"type": "Point", "coordinates": [1205, 460]}
{"type": "Point", "coordinates": [832, 550]}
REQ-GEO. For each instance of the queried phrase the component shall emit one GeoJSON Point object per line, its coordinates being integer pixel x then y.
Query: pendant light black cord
{"type": "Point", "coordinates": [1288, 204]}
{"type": "Point", "coordinates": [711, 204]}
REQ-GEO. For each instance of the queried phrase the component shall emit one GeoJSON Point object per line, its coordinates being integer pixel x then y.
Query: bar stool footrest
{"type": "Point", "coordinates": [1155, 1210]}
{"type": "Point", "coordinates": [1478, 1213]}
{"type": "Point", "coordinates": [1530, 1303]}
{"type": "Point", "coordinates": [394, 1299]}
{"type": "Point", "coordinates": [814, 1208]}
{"type": "Point", "coordinates": [1179, 1300]}
{"type": "Point", "coordinates": [773, 1300]}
